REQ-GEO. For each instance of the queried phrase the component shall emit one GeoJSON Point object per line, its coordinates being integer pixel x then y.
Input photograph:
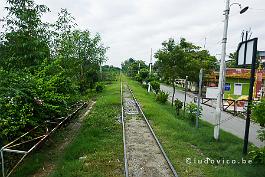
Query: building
{"type": "Point", "coordinates": [261, 56]}
{"type": "Point", "coordinates": [237, 82]}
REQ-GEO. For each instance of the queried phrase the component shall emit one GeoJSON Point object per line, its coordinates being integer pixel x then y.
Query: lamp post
{"type": "Point", "coordinates": [221, 72]}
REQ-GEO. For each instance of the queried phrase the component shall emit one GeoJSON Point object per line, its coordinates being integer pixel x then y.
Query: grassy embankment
{"type": "Point", "coordinates": [95, 150]}
{"type": "Point", "coordinates": [181, 140]}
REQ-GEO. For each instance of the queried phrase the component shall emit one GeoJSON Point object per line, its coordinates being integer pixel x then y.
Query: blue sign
{"type": "Point", "coordinates": [227, 87]}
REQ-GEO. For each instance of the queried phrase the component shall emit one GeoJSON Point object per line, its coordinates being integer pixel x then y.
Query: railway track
{"type": "Point", "coordinates": [143, 153]}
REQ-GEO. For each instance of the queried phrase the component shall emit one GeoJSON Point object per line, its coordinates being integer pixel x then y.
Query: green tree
{"type": "Point", "coordinates": [44, 67]}
{"type": "Point", "coordinates": [131, 66]}
{"type": "Point", "coordinates": [176, 61]}
{"type": "Point", "coordinates": [170, 62]}
{"type": "Point", "coordinates": [25, 42]}
{"type": "Point", "coordinates": [231, 63]}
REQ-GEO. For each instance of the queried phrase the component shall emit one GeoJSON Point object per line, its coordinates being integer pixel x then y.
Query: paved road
{"type": "Point", "coordinates": [230, 123]}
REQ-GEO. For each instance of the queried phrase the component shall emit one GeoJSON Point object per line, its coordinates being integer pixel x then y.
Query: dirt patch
{"type": "Point", "coordinates": [69, 133]}
{"type": "Point", "coordinates": [144, 155]}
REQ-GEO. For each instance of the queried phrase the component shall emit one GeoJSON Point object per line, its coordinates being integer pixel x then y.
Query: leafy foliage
{"type": "Point", "coordinates": [258, 155]}
{"type": "Point", "coordinates": [44, 67]}
{"type": "Point", "coordinates": [258, 112]}
{"type": "Point", "coordinates": [99, 87]}
{"type": "Point", "coordinates": [178, 60]}
{"type": "Point", "coordinates": [156, 86]}
{"type": "Point", "coordinates": [162, 97]}
{"type": "Point", "coordinates": [178, 105]}
{"type": "Point", "coordinates": [191, 110]}
{"type": "Point", "coordinates": [131, 67]}
{"type": "Point", "coordinates": [183, 59]}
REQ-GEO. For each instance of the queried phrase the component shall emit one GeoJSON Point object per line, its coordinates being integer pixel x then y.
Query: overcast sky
{"type": "Point", "coordinates": [132, 27]}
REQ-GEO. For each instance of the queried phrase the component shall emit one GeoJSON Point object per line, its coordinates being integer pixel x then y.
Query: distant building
{"type": "Point", "coordinates": [261, 57]}
{"type": "Point", "coordinates": [237, 81]}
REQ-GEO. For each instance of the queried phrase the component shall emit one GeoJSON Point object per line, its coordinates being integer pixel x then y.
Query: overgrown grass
{"type": "Point", "coordinates": [99, 142]}
{"type": "Point", "coordinates": [181, 140]}
{"type": "Point", "coordinates": [96, 150]}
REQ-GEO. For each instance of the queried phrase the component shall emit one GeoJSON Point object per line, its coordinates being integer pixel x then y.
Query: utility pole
{"type": "Point", "coordinates": [139, 66]}
{"type": "Point", "coordinates": [221, 74]}
{"type": "Point", "coordinates": [222, 63]}
{"type": "Point", "coordinates": [100, 70]}
{"type": "Point", "coordinates": [199, 98]}
{"type": "Point", "coordinates": [150, 70]}
{"type": "Point", "coordinates": [185, 95]}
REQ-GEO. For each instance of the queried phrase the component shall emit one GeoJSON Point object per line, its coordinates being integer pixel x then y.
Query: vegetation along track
{"type": "Point", "coordinates": [143, 154]}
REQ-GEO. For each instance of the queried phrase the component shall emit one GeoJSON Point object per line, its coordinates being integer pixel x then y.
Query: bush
{"type": "Point", "coordinates": [257, 155]}
{"type": "Point", "coordinates": [258, 112]}
{"type": "Point", "coordinates": [191, 110]}
{"type": "Point", "coordinates": [138, 78]}
{"type": "Point", "coordinates": [156, 86]}
{"type": "Point", "coordinates": [99, 87]}
{"type": "Point", "coordinates": [143, 74]}
{"type": "Point", "coordinates": [162, 97]}
{"type": "Point", "coordinates": [178, 105]}
{"type": "Point", "coordinates": [152, 77]}
{"type": "Point", "coordinates": [27, 100]}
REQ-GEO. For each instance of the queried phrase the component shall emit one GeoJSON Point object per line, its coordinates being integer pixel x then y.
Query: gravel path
{"type": "Point", "coordinates": [143, 154]}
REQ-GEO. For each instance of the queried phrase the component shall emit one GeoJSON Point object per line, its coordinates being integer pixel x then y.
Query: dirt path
{"type": "Point", "coordinates": [69, 134]}
{"type": "Point", "coordinates": [143, 154]}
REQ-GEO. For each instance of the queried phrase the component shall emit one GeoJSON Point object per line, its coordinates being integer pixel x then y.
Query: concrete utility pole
{"type": "Point", "coordinates": [185, 94]}
{"type": "Point", "coordinates": [199, 98]}
{"type": "Point", "coordinates": [150, 69]}
{"type": "Point", "coordinates": [100, 70]}
{"type": "Point", "coordinates": [221, 74]}
{"type": "Point", "coordinates": [222, 67]}
{"type": "Point", "coordinates": [139, 66]}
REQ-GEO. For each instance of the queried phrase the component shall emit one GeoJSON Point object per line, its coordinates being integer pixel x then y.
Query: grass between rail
{"type": "Point", "coordinates": [95, 150]}
{"type": "Point", "coordinates": [186, 146]}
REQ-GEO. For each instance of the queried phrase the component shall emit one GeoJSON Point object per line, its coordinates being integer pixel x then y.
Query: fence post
{"type": "Point", "coordinates": [2, 157]}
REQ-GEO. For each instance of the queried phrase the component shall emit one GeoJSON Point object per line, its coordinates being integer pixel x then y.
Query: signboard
{"type": "Point", "coordinates": [211, 92]}
{"type": "Point", "coordinates": [246, 52]}
{"type": "Point", "coordinates": [227, 87]}
{"type": "Point", "coordinates": [237, 89]}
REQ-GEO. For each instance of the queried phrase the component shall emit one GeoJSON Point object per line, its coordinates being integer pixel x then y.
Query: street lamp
{"type": "Point", "coordinates": [221, 72]}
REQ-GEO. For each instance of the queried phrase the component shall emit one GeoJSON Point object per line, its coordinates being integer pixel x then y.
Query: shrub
{"type": "Point", "coordinates": [143, 74]}
{"type": "Point", "coordinates": [257, 155]}
{"type": "Point", "coordinates": [258, 112]}
{"type": "Point", "coordinates": [156, 86]}
{"type": "Point", "coordinates": [138, 78]}
{"type": "Point", "coordinates": [178, 105]}
{"type": "Point", "coordinates": [152, 77]}
{"type": "Point", "coordinates": [191, 110]}
{"type": "Point", "coordinates": [162, 97]}
{"type": "Point", "coordinates": [99, 87]}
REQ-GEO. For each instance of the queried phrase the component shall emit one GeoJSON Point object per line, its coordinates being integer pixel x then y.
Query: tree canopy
{"type": "Point", "coordinates": [44, 67]}
{"type": "Point", "coordinates": [176, 61]}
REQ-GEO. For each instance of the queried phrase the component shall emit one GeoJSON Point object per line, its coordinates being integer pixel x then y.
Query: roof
{"type": "Point", "coordinates": [261, 53]}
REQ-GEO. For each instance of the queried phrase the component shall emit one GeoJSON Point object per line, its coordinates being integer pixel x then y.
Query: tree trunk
{"type": "Point", "coordinates": [174, 90]}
